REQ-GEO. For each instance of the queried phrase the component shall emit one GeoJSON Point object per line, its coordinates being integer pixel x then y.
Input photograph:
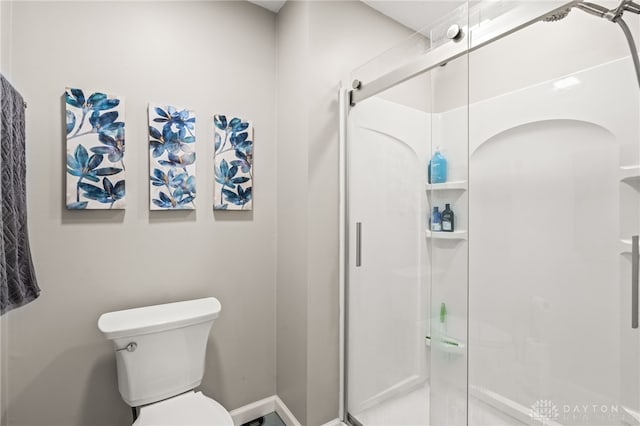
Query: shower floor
{"type": "Point", "coordinates": [412, 409]}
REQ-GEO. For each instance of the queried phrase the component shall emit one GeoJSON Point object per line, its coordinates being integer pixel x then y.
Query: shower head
{"type": "Point", "coordinates": [557, 15]}
{"type": "Point", "coordinates": [596, 10]}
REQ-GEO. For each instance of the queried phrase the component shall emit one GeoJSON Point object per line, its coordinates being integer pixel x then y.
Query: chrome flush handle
{"type": "Point", "coordinates": [132, 346]}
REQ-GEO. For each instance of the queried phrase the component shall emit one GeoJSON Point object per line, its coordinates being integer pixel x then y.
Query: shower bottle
{"type": "Point", "coordinates": [447, 218]}
{"type": "Point", "coordinates": [438, 167]}
{"type": "Point", "coordinates": [436, 220]}
{"type": "Point", "coordinates": [443, 318]}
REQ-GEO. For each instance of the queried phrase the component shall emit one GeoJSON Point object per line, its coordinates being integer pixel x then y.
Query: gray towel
{"type": "Point", "coordinates": [18, 284]}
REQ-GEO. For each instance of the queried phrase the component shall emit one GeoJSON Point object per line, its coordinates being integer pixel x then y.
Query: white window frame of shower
{"type": "Point", "coordinates": [474, 38]}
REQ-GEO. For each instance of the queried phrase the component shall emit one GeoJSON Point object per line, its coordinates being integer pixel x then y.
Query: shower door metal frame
{"type": "Point", "coordinates": [500, 27]}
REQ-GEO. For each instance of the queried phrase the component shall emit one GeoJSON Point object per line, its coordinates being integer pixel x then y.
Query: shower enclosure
{"type": "Point", "coordinates": [527, 312]}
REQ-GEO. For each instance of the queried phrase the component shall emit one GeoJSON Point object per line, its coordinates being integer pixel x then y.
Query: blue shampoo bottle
{"type": "Point", "coordinates": [436, 220]}
{"type": "Point", "coordinates": [438, 167]}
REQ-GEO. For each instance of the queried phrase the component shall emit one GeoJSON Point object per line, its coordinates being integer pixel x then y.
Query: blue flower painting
{"type": "Point", "coordinates": [95, 150]}
{"type": "Point", "coordinates": [172, 156]}
{"type": "Point", "coordinates": [233, 164]}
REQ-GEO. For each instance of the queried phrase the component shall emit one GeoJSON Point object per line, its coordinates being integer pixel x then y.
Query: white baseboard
{"type": "Point", "coordinates": [254, 410]}
{"type": "Point", "coordinates": [287, 416]}
{"type": "Point", "coordinates": [261, 408]}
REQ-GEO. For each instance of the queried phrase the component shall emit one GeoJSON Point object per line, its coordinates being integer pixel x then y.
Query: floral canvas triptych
{"type": "Point", "coordinates": [95, 141]}
{"type": "Point", "coordinates": [95, 150]}
{"type": "Point", "coordinates": [233, 161]}
{"type": "Point", "coordinates": [172, 139]}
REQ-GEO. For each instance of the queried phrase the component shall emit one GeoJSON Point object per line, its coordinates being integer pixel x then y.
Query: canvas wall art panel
{"type": "Point", "coordinates": [172, 158]}
{"type": "Point", "coordinates": [95, 150]}
{"type": "Point", "coordinates": [233, 163]}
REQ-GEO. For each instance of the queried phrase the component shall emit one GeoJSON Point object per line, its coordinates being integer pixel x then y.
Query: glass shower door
{"type": "Point", "coordinates": [406, 342]}
{"type": "Point", "coordinates": [554, 171]}
{"type": "Point", "coordinates": [527, 312]}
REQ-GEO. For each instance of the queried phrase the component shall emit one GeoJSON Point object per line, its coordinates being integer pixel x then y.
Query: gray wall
{"type": "Point", "coordinates": [241, 60]}
{"type": "Point", "coordinates": [215, 57]}
{"type": "Point", "coordinates": [5, 37]}
{"type": "Point", "coordinates": [319, 44]}
{"type": "Point", "coordinates": [292, 202]}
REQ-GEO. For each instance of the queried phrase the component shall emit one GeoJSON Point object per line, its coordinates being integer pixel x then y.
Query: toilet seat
{"type": "Point", "coordinates": [187, 409]}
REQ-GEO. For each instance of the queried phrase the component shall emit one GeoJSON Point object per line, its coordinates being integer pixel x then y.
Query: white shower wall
{"type": "Point", "coordinates": [549, 316]}
{"type": "Point", "coordinates": [388, 319]}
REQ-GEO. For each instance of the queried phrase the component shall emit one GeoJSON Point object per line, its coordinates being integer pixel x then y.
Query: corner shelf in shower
{"type": "Point", "coordinates": [441, 235]}
{"type": "Point", "coordinates": [448, 345]}
{"type": "Point", "coordinates": [630, 174]}
{"type": "Point", "coordinates": [460, 185]}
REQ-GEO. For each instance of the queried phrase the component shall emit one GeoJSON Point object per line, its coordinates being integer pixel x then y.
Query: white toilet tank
{"type": "Point", "coordinates": [160, 350]}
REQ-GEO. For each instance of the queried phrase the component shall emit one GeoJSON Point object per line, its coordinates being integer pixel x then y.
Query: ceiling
{"type": "Point", "coordinates": [414, 14]}
{"type": "Point", "coordinates": [272, 5]}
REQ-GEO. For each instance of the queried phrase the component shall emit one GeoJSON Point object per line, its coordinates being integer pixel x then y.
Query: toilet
{"type": "Point", "coordinates": [160, 356]}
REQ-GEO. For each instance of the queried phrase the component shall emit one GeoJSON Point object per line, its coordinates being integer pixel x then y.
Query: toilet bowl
{"type": "Point", "coordinates": [160, 359]}
{"type": "Point", "coordinates": [188, 409]}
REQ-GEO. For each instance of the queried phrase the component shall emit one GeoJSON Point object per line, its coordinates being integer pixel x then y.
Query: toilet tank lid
{"type": "Point", "coordinates": [150, 319]}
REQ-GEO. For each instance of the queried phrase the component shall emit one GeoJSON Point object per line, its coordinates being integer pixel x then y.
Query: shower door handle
{"type": "Point", "coordinates": [635, 272]}
{"type": "Point", "coordinates": [358, 244]}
